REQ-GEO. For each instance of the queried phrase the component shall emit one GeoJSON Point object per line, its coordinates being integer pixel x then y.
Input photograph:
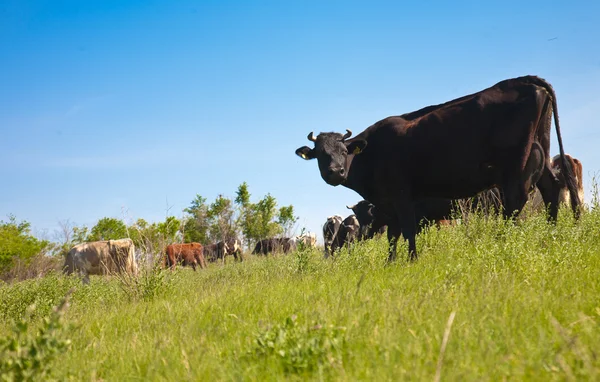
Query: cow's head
{"type": "Point", "coordinates": [332, 152]}
{"type": "Point", "coordinates": [363, 211]}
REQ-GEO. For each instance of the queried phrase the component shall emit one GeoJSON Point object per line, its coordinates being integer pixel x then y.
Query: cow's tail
{"type": "Point", "coordinates": [568, 171]}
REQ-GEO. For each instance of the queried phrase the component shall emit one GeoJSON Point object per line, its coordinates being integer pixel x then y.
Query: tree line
{"type": "Point", "coordinates": [204, 222]}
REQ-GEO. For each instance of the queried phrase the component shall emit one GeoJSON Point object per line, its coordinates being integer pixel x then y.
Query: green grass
{"type": "Point", "coordinates": [526, 297]}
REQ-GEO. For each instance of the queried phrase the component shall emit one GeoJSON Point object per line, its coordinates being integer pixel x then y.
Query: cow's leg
{"type": "Point", "coordinates": [194, 266]}
{"type": "Point", "coordinates": [406, 215]}
{"type": "Point", "coordinates": [549, 186]}
{"type": "Point", "coordinates": [86, 277]}
{"type": "Point", "coordinates": [393, 234]}
{"type": "Point", "coordinates": [403, 223]}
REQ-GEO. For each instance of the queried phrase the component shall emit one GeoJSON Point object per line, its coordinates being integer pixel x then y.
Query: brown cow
{"type": "Point", "coordinates": [453, 150]}
{"type": "Point", "coordinates": [185, 254]}
{"type": "Point", "coordinates": [577, 169]}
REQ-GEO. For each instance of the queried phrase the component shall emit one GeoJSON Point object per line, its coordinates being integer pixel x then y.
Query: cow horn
{"type": "Point", "coordinates": [347, 135]}
{"type": "Point", "coordinates": [311, 137]}
{"type": "Point", "coordinates": [350, 207]}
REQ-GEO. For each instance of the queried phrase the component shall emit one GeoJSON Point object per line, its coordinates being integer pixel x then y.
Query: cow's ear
{"type": "Point", "coordinates": [356, 147]}
{"type": "Point", "coordinates": [305, 152]}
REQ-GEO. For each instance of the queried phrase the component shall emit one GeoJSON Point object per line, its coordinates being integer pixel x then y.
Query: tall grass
{"type": "Point", "coordinates": [524, 297]}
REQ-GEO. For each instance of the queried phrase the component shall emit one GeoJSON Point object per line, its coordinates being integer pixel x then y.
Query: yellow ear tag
{"type": "Point", "coordinates": [356, 150]}
{"type": "Point", "coordinates": [303, 155]}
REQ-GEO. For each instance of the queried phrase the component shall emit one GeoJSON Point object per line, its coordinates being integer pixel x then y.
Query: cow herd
{"type": "Point", "coordinates": [118, 256]}
{"type": "Point", "coordinates": [412, 166]}
{"type": "Point", "coordinates": [410, 169]}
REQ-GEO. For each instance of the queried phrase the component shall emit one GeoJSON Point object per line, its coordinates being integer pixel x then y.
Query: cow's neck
{"type": "Point", "coordinates": [359, 176]}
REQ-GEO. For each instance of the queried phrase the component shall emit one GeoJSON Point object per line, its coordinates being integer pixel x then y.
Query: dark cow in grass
{"type": "Point", "coordinates": [330, 230]}
{"type": "Point", "coordinates": [234, 248]}
{"type": "Point", "coordinates": [190, 254]}
{"type": "Point", "coordinates": [452, 150]}
{"type": "Point", "coordinates": [274, 245]}
{"type": "Point", "coordinates": [347, 233]}
{"type": "Point", "coordinates": [216, 251]}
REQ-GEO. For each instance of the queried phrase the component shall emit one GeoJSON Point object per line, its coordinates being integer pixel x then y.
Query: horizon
{"type": "Point", "coordinates": [130, 109]}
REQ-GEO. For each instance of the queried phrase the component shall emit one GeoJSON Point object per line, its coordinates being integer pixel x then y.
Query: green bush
{"type": "Point", "coordinates": [28, 355]}
{"type": "Point", "coordinates": [16, 241]}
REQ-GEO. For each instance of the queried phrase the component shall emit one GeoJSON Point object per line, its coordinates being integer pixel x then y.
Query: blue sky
{"type": "Point", "coordinates": [131, 108]}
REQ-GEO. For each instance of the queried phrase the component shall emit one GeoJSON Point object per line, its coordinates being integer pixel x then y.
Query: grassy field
{"type": "Point", "coordinates": [524, 298]}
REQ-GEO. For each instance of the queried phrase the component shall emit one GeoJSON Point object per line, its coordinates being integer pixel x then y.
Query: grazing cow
{"type": "Point", "coordinates": [330, 230]}
{"type": "Point", "coordinates": [274, 244]}
{"type": "Point", "coordinates": [216, 251]}
{"type": "Point", "coordinates": [453, 150]}
{"type": "Point", "coordinates": [191, 254]}
{"type": "Point", "coordinates": [234, 247]}
{"type": "Point", "coordinates": [101, 258]}
{"type": "Point", "coordinates": [577, 168]}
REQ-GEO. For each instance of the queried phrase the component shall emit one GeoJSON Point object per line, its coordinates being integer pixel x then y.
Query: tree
{"type": "Point", "coordinates": [243, 195]}
{"type": "Point", "coordinates": [196, 224]}
{"type": "Point", "coordinates": [151, 239]}
{"type": "Point", "coordinates": [221, 219]}
{"type": "Point", "coordinates": [220, 216]}
{"type": "Point", "coordinates": [67, 236]}
{"type": "Point", "coordinates": [108, 229]}
{"type": "Point", "coordinates": [16, 241]}
{"type": "Point", "coordinates": [259, 220]}
{"type": "Point", "coordinates": [287, 220]}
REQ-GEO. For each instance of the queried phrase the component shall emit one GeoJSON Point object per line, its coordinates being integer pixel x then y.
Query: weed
{"type": "Point", "coordinates": [301, 349]}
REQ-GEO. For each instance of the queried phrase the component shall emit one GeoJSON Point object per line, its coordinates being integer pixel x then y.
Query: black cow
{"type": "Point", "coordinates": [427, 210]}
{"type": "Point", "coordinates": [274, 244]}
{"type": "Point", "coordinates": [234, 247]}
{"type": "Point", "coordinates": [442, 210]}
{"type": "Point", "coordinates": [453, 150]}
{"type": "Point", "coordinates": [330, 230]}
{"type": "Point", "coordinates": [216, 251]}
{"type": "Point", "coordinates": [365, 213]}
{"type": "Point", "coordinates": [347, 233]}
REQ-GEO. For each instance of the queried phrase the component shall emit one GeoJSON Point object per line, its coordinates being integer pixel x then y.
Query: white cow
{"type": "Point", "coordinates": [101, 258]}
{"type": "Point", "coordinates": [309, 239]}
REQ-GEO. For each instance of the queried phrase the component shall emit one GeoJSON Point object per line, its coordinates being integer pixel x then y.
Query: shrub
{"type": "Point", "coordinates": [16, 241]}
{"type": "Point", "coordinates": [28, 357]}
